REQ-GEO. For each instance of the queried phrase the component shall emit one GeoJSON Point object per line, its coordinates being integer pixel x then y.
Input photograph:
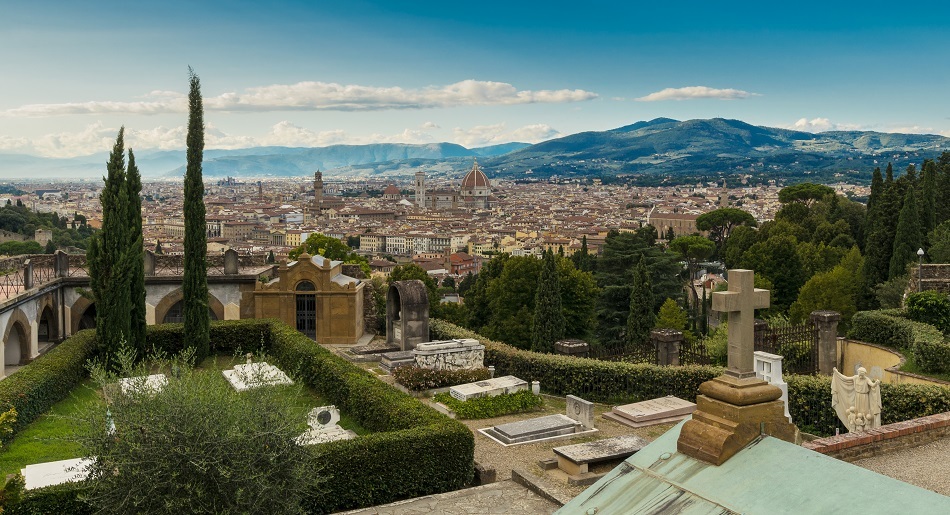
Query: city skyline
{"type": "Point", "coordinates": [296, 74]}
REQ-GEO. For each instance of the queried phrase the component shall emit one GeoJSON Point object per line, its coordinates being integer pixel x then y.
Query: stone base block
{"type": "Point", "coordinates": [585, 479]}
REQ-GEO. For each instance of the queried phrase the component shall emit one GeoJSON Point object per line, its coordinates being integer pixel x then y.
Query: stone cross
{"type": "Point", "coordinates": [740, 302]}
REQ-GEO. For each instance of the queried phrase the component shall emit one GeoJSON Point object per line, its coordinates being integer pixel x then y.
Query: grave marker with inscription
{"type": "Point", "coordinates": [652, 412]}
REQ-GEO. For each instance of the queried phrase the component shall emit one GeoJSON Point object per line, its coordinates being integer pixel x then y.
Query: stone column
{"type": "Point", "coordinates": [578, 348]}
{"type": "Point", "coordinates": [827, 324]}
{"type": "Point", "coordinates": [27, 275]}
{"type": "Point", "coordinates": [62, 263]}
{"type": "Point", "coordinates": [149, 263]}
{"type": "Point", "coordinates": [667, 343]}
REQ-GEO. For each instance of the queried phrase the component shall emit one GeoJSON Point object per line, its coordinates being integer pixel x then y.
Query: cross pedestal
{"type": "Point", "coordinates": [736, 408]}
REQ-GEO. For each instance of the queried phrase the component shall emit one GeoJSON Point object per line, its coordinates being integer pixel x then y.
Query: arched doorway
{"type": "Point", "coordinates": [88, 318]}
{"type": "Point", "coordinates": [307, 309]}
{"type": "Point", "coordinates": [176, 313]}
{"type": "Point", "coordinates": [17, 346]}
{"type": "Point", "coordinates": [46, 329]}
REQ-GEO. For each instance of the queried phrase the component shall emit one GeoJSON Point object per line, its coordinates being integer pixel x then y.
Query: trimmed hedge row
{"type": "Point", "coordinates": [493, 405]}
{"type": "Point", "coordinates": [419, 379]}
{"type": "Point", "coordinates": [889, 327]}
{"type": "Point", "coordinates": [594, 380]}
{"type": "Point", "coordinates": [413, 451]}
{"type": "Point", "coordinates": [605, 381]}
{"type": "Point", "coordinates": [34, 389]}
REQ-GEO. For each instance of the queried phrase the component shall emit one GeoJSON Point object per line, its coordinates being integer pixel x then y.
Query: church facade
{"type": "Point", "coordinates": [473, 193]}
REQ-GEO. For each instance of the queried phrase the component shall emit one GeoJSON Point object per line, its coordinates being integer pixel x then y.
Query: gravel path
{"type": "Point", "coordinates": [927, 466]}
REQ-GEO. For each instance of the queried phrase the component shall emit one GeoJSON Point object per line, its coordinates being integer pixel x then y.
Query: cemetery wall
{"type": "Point", "coordinates": [882, 363]}
{"type": "Point", "coordinates": [412, 451]}
{"type": "Point", "coordinates": [888, 438]}
{"type": "Point", "coordinates": [925, 342]}
{"type": "Point", "coordinates": [933, 277]}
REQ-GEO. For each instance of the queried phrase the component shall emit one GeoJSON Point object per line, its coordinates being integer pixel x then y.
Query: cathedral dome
{"type": "Point", "coordinates": [475, 178]}
{"type": "Point", "coordinates": [391, 190]}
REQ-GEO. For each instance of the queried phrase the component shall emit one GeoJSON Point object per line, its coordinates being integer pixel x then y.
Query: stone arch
{"type": "Point", "coordinates": [77, 311]}
{"type": "Point", "coordinates": [47, 320]}
{"type": "Point", "coordinates": [161, 310]}
{"type": "Point", "coordinates": [16, 339]}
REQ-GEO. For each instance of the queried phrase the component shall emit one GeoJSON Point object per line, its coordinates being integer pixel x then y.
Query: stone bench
{"type": "Point", "coordinates": [575, 459]}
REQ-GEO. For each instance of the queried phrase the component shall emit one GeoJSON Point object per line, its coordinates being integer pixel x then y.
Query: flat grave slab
{"type": "Point", "coordinates": [51, 473]}
{"type": "Point", "coordinates": [574, 459]}
{"type": "Point", "coordinates": [315, 436]}
{"type": "Point", "coordinates": [488, 388]}
{"type": "Point", "coordinates": [533, 429]}
{"type": "Point", "coordinates": [152, 383]}
{"type": "Point", "coordinates": [652, 412]}
{"type": "Point", "coordinates": [390, 360]}
{"type": "Point", "coordinates": [253, 375]}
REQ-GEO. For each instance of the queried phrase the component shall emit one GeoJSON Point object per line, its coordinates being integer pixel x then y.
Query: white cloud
{"type": "Point", "coordinates": [319, 96]}
{"type": "Point", "coordinates": [430, 125]}
{"type": "Point", "coordinates": [820, 124]}
{"type": "Point", "coordinates": [482, 135]}
{"type": "Point", "coordinates": [694, 92]}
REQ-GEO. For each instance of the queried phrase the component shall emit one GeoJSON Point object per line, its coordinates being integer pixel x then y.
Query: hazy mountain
{"type": "Point", "coordinates": [696, 147]}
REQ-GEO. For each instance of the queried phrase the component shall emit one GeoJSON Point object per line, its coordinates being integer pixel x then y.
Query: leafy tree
{"type": "Point", "coordinates": [466, 284]}
{"type": "Point", "coordinates": [330, 248]}
{"type": "Point", "coordinates": [836, 289]}
{"type": "Point", "coordinates": [477, 297]}
{"type": "Point", "coordinates": [692, 249]}
{"type": "Point", "coordinates": [930, 307]}
{"type": "Point", "coordinates": [195, 280]}
{"type": "Point", "coordinates": [50, 247]}
{"type": "Point", "coordinates": [804, 193]}
{"type": "Point", "coordinates": [939, 238]}
{"type": "Point", "coordinates": [907, 239]}
{"type": "Point", "coordinates": [671, 316]}
{"type": "Point", "coordinates": [582, 258]}
{"type": "Point", "coordinates": [669, 234]}
{"type": "Point", "coordinates": [928, 198]}
{"type": "Point", "coordinates": [739, 241]}
{"type": "Point", "coordinates": [777, 260]}
{"type": "Point", "coordinates": [641, 317]}
{"type": "Point", "coordinates": [720, 223]}
{"type": "Point", "coordinates": [511, 304]}
{"type": "Point", "coordinates": [890, 293]}
{"type": "Point", "coordinates": [548, 322]}
{"type": "Point", "coordinates": [449, 282]}
{"type": "Point", "coordinates": [17, 248]}
{"type": "Point", "coordinates": [232, 452]}
{"type": "Point", "coordinates": [412, 271]}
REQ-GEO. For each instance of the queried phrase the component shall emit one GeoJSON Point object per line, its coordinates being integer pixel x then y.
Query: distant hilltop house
{"type": "Point", "coordinates": [473, 193]}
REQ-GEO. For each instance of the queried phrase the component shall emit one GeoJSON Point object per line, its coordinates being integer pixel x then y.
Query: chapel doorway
{"type": "Point", "coordinates": [306, 300]}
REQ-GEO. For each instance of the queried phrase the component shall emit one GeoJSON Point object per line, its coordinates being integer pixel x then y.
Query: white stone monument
{"type": "Point", "coordinates": [143, 384]}
{"type": "Point", "coordinates": [856, 400]}
{"type": "Point", "coordinates": [768, 367]}
{"type": "Point", "coordinates": [323, 427]}
{"type": "Point", "coordinates": [488, 388]}
{"type": "Point", "coordinates": [253, 375]}
{"type": "Point", "coordinates": [466, 353]}
{"type": "Point", "coordinates": [41, 475]}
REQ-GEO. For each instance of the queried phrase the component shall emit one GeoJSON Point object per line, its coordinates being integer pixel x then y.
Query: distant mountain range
{"type": "Point", "coordinates": [662, 147]}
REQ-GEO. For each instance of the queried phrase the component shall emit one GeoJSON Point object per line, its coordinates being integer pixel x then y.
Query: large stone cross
{"type": "Point", "coordinates": [740, 302]}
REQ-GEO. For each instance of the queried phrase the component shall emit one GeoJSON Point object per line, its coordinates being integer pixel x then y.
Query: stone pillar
{"type": "Point", "coordinates": [578, 348]}
{"type": "Point", "coordinates": [667, 343]}
{"type": "Point", "coordinates": [61, 263]}
{"type": "Point", "coordinates": [759, 329]}
{"type": "Point", "coordinates": [827, 324]}
{"type": "Point", "coordinates": [27, 275]}
{"type": "Point", "coordinates": [231, 263]}
{"type": "Point", "coordinates": [149, 263]}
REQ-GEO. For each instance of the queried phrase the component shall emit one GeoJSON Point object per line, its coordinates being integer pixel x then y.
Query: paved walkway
{"type": "Point", "coordinates": [503, 497]}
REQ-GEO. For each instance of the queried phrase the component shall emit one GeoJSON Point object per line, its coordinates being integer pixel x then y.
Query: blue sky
{"type": "Point", "coordinates": [475, 73]}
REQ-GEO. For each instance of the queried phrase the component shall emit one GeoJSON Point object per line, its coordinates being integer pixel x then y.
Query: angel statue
{"type": "Point", "coordinates": [857, 400]}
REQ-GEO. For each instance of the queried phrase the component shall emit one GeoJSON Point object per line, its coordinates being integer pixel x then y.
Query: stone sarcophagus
{"type": "Point", "coordinates": [450, 354]}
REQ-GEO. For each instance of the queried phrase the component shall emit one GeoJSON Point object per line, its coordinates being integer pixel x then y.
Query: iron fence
{"type": "Point", "coordinates": [796, 343]}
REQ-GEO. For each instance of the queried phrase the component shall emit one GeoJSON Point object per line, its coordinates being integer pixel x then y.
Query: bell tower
{"type": "Point", "coordinates": [421, 189]}
{"type": "Point", "coordinates": [317, 209]}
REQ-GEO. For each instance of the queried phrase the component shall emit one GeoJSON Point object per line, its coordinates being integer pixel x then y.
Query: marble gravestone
{"type": "Point", "coordinates": [488, 388]}
{"type": "Point", "coordinates": [323, 427]}
{"type": "Point", "coordinates": [249, 375]}
{"type": "Point", "coordinates": [450, 354]}
{"type": "Point", "coordinates": [41, 475]}
{"type": "Point", "coordinates": [150, 384]}
{"type": "Point", "coordinates": [578, 420]}
{"type": "Point", "coordinates": [652, 412]}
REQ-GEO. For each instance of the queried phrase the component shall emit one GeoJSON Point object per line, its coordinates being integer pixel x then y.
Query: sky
{"type": "Point", "coordinates": [315, 73]}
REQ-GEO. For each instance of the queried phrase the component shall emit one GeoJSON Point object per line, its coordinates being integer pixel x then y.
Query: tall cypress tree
{"type": "Point", "coordinates": [641, 319]}
{"type": "Point", "coordinates": [928, 199]}
{"type": "Point", "coordinates": [943, 189]}
{"type": "Point", "coordinates": [108, 257]}
{"type": "Point", "coordinates": [195, 285]}
{"type": "Point", "coordinates": [907, 239]}
{"type": "Point", "coordinates": [875, 265]}
{"type": "Point", "coordinates": [137, 255]}
{"type": "Point", "coordinates": [549, 320]}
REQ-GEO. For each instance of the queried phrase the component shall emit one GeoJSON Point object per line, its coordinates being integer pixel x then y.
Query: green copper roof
{"type": "Point", "coordinates": [769, 476]}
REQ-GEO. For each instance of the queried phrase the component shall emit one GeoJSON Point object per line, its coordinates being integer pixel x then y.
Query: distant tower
{"type": "Point", "coordinates": [260, 191]}
{"type": "Point", "coordinates": [317, 195]}
{"type": "Point", "coordinates": [421, 189]}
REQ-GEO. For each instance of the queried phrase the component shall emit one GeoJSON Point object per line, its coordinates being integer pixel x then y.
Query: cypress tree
{"type": "Point", "coordinates": [581, 258]}
{"type": "Point", "coordinates": [907, 239]}
{"type": "Point", "coordinates": [137, 255]}
{"type": "Point", "coordinates": [549, 320]}
{"type": "Point", "coordinates": [928, 199]}
{"type": "Point", "coordinates": [195, 281]}
{"type": "Point", "coordinates": [875, 266]}
{"type": "Point", "coordinates": [641, 318]}
{"type": "Point", "coordinates": [108, 258]}
{"type": "Point", "coordinates": [943, 189]}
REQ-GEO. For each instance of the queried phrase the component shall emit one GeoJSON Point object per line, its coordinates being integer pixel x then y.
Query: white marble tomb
{"type": "Point", "coordinates": [253, 375]}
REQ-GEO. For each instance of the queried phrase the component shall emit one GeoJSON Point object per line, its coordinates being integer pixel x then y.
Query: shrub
{"type": "Point", "coordinates": [930, 307]}
{"type": "Point", "coordinates": [420, 379]}
{"type": "Point", "coordinates": [492, 406]}
{"type": "Point", "coordinates": [887, 327]}
{"type": "Point", "coordinates": [594, 380]}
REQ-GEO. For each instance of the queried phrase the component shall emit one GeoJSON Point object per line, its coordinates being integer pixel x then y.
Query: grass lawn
{"type": "Point", "coordinates": [911, 366]}
{"type": "Point", "coordinates": [48, 437]}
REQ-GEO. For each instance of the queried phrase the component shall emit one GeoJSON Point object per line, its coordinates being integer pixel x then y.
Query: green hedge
{"type": "Point", "coordinates": [594, 380]}
{"type": "Point", "coordinates": [492, 406]}
{"type": "Point", "coordinates": [420, 379]}
{"type": "Point", "coordinates": [889, 328]}
{"type": "Point", "coordinates": [413, 451]}
{"type": "Point", "coordinates": [47, 380]}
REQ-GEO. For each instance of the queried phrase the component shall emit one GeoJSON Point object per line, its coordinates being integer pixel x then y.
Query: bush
{"type": "Point", "coordinates": [419, 379]}
{"type": "Point", "coordinates": [365, 471]}
{"type": "Point", "coordinates": [492, 406]}
{"type": "Point", "coordinates": [925, 342]}
{"type": "Point", "coordinates": [591, 379]}
{"type": "Point", "coordinates": [930, 307]}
